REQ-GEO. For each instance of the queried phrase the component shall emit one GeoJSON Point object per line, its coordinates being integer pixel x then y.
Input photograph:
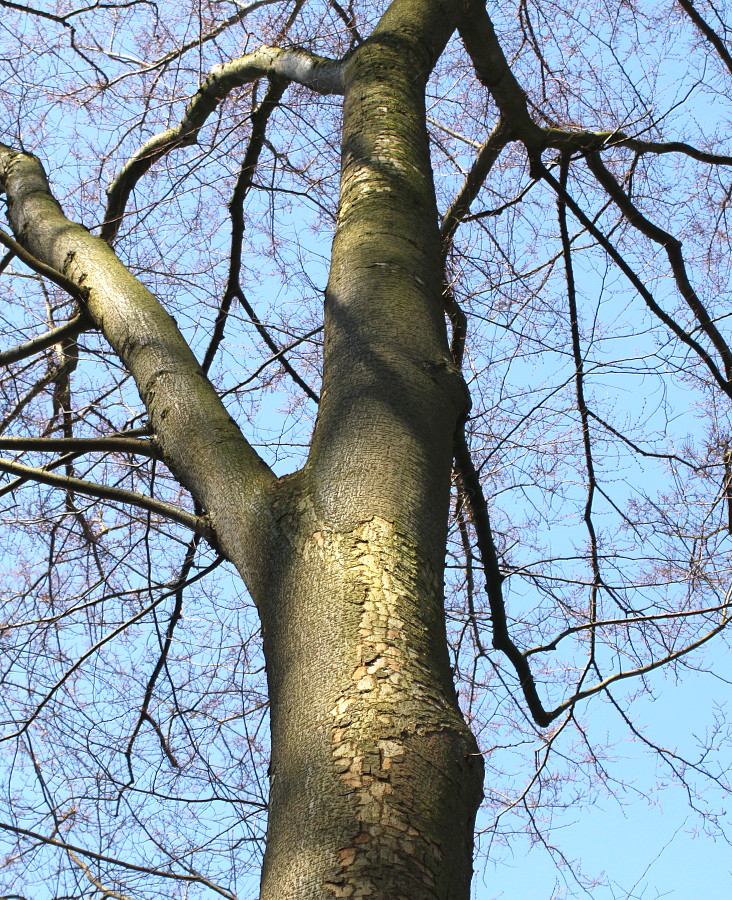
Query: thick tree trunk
{"type": "Point", "coordinates": [375, 776]}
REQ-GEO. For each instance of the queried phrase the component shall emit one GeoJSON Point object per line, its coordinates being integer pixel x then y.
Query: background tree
{"type": "Point", "coordinates": [526, 288]}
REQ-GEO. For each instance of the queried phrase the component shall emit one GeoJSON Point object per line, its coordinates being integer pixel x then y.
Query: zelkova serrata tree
{"type": "Point", "coordinates": [374, 776]}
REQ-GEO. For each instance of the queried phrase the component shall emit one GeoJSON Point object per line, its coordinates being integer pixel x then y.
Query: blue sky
{"type": "Point", "coordinates": [653, 847]}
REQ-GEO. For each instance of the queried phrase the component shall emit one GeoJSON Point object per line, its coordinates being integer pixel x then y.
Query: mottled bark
{"type": "Point", "coordinates": [375, 778]}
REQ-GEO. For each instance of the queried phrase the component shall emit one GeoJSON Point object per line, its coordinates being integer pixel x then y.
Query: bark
{"type": "Point", "coordinates": [375, 777]}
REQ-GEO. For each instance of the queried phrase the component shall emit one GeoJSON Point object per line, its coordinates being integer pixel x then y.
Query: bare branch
{"type": "Point", "coordinates": [197, 524]}
{"type": "Point", "coordinates": [77, 446]}
{"type": "Point", "coordinates": [233, 290]}
{"type": "Point", "coordinates": [42, 269]}
{"type": "Point", "coordinates": [625, 622]}
{"type": "Point", "coordinates": [474, 181]}
{"type": "Point", "coordinates": [706, 29]}
{"type": "Point", "coordinates": [244, 10]}
{"type": "Point", "coordinates": [260, 118]}
{"type": "Point", "coordinates": [494, 580]}
{"type": "Point", "coordinates": [650, 301]}
{"type": "Point", "coordinates": [107, 894]}
{"type": "Point", "coordinates": [193, 878]}
{"type": "Point", "coordinates": [322, 75]}
{"type": "Point", "coordinates": [348, 20]}
{"type": "Point", "coordinates": [672, 246]}
{"type": "Point", "coordinates": [183, 580]}
{"type": "Point", "coordinates": [579, 381]}
{"type": "Point", "coordinates": [642, 670]}
{"type": "Point", "coordinates": [275, 358]}
{"type": "Point", "coordinates": [501, 637]}
{"type": "Point", "coordinates": [21, 7]}
{"type": "Point", "coordinates": [74, 327]}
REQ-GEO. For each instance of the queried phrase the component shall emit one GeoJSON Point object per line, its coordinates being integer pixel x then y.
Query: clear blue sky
{"type": "Point", "coordinates": [652, 846]}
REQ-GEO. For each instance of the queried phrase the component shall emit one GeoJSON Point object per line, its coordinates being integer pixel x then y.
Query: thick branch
{"type": "Point", "coordinates": [391, 392]}
{"type": "Point", "coordinates": [659, 148]}
{"type": "Point", "coordinates": [198, 440]}
{"type": "Point", "coordinates": [76, 445]}
{"type": "Point", "coordinates": [322, 75]}
{"type": "Point", "coordinates": [709, 33]}
{"type": "Point", "coordinates": [349, 21]}
{"type": "Point", "coordinates": [493, 70]}
{"type": "Point", "coordinates": [20, 7]}
{"type": "Point", "coordinates": [70, 329]}
{"type": "Point", "coordinates": [494, 580]}
{"type": "Point", "coordinates": [583, 141]}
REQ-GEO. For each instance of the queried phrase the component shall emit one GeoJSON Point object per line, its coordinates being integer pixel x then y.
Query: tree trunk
{"type": "Point", "coordinates": [375, 777]}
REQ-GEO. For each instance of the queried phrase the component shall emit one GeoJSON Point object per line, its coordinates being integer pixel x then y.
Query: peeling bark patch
{"type": "Point", "coordinates": [372, 762]}
{"type": "Point", "coordinates": [393, 696]}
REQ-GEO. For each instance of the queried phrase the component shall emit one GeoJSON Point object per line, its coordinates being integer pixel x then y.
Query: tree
{"type": "Point", "coordinates": [569, 185]}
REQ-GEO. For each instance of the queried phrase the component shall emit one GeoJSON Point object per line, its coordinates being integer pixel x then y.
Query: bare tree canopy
{"type": "Point", "coordinates": [365, 401]}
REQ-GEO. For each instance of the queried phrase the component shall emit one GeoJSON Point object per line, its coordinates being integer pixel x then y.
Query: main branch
{"type": "Point", "coordinates": [197, 438]}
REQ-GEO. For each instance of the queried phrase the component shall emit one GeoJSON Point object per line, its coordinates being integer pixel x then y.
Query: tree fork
{"type": "Point", "coordinates": [375, 777]}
